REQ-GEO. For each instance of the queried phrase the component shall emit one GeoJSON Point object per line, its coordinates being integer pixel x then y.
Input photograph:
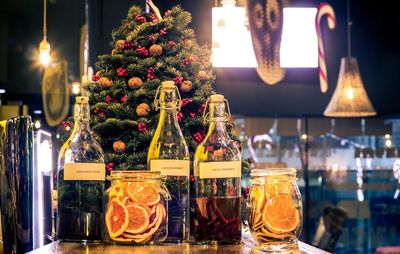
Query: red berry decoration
{"type": "Point", "coordinates": [140, 18]}
{"type": "Point", "coordinates": [150, 74]}
{"type": "Point", "coordinates": [121, 72]}
{"type": "Point", "coordinates": [142, 127]}
{"type": "Point", "coordinates": [163, 31]}
{"type": "Point", "coordinates": [171, 43]}
{"type": "Point", "coordinates": [192, 115]}
{"type": "Point", "coordinates": [178, 80]}
{"type": "Point", "coordinates": [152, 38]}
{"type": "Point", "coordinates": [123, 99]}
{"type": "Point", "coordinates": [142, 51]}
{"type": "Point", "coordinates": [198, 137]}
{"type": "Point", "coordinates": [109, 166]}
{"type": "Point", "coordinates": [179, 116]}
{"type": "Point", "coordinates": [129, 45]}
{"type": "Point", "coordinates": [109, 100]}
{"type": "Point", "coordinates": [186, 101]}
{"type": "Point", "coordinates": [95, 77]}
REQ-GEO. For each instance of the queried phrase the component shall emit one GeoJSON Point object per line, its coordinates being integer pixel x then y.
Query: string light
{"type": "Point", "coordinates": [76, 88]}
{"type": "Point", "coordinates": [44, 46]}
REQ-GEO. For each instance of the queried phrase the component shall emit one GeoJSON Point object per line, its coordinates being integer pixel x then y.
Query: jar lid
{"type": "Point", "coordinates": [82, 99]}
{"type": "Point", "coordinates": [273, 172]}
{"type": "Point", "coordinates": [217, 98]}
{"type": "Point", "coordinates": [136, 174]}
{"type": "Point", "coordinates": [168, 84]}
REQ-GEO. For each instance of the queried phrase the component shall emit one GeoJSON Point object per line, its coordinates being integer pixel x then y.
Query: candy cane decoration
{"type": "Point", "coordinates": [323, 9]}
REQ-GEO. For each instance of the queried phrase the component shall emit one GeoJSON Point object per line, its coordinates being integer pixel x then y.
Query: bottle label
{"type": "Point", "coordinates": [84, 172]}
{"type": "Point", "coordinates": [171, 167]}
{"type": "Point", "coordinates": [224, 169]}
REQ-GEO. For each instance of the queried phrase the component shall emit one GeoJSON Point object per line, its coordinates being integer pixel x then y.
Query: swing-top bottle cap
{"type": "Point", "coordinates": [217, 98]}
{"type": "Point", "coordinates": [82, 99]}
{"type": "Point", "coordinates": [168, 84]}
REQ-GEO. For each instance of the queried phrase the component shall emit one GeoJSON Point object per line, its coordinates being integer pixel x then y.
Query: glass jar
{"type": "Point", "coordinates": [274, 209]}
{"type": "Point", "coordinates": [135, 208]}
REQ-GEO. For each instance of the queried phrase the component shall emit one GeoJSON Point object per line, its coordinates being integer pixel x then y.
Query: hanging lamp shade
{"type": "Point", "coordinates": [350, 98]}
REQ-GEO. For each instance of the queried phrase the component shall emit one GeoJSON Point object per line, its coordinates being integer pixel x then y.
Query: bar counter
{"type": "Point", "coordinates": [246, 247]}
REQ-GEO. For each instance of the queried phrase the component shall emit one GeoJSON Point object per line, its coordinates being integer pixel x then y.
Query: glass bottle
{"type": "Point", "coordinates": [169, 154]}
{"type": "Point", "coordinates": [274, 209]}
{"type": "Point", "coordinates": [217, 171]}
{"type": "Point", "coordinates": [80, 181]}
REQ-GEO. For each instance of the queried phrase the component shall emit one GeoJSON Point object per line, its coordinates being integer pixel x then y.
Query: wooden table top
{"type": "Point", "coordinates": [246, 247]}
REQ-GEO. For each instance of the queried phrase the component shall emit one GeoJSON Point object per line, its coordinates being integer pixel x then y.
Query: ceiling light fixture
{"type": "Point", "coordinates": [44, 46]}
{"type": "Point", "coordinates": [349, 98]}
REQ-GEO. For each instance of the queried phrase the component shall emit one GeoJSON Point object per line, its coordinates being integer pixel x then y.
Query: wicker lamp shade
{"type": "Point", "coordinates": [350, 98]}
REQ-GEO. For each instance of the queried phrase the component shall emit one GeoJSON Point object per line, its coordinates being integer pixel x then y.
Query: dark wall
{"type": "Point", "coordinates": [372, 41]}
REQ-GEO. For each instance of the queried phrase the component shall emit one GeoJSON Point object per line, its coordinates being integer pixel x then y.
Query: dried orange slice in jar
{"type": "Point", "coordinates": [278, 185]}
{"type": "Point", "coordinates": [138, 219]}
{"type": "Point", "coordinates": [148, 195]}
{"type": "Point", "coordinates": [117, 218]}
{"type": "Point", "coordinates": [280, 214]}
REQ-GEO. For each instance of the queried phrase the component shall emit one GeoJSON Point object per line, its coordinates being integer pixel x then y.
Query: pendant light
{"type": "Point", "coordinates": [349, 98]}
{"type": "Point", "coordinates": [44, 46]}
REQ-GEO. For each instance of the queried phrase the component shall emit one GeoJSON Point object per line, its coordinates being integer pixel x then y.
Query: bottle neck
{"type": "Point", "coordinates": [82, 116]}
{"type": "Point", "coordinates": [218, 119]}
{"type": "Point", "coordinates": [168, 106]}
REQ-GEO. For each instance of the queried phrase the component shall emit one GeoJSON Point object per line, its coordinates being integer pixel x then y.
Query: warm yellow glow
{"type": "Point", "coordinates": [350, 93]}
{"type": "Point", "coordinates": [76, 88]}
{"type": "Point", "coordinates": [38, 124]}
{"type": "Point", "coordinates": [387, 136]}
{"type": "Point", "coordinates": [304, 136]}
{"type": "Point", "coordinates": [44, 52]}
{"type": "Point", "coordinates": [388, 143]}
{"type": "Point", "coordinates": [231, 40]}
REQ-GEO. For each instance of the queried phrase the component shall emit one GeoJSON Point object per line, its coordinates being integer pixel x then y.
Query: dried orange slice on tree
{"type": "Point", "coordinates": [138, 219]}
{"type": "Point", "coordinates": [116, 218]}
{"type": "Point", "coordinates": [147, 195]}
{"type": "Point", "coordinates": [280, 214]}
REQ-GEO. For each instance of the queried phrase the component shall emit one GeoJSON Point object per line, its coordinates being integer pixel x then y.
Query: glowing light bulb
{"type": "Point", "coordinates": [38, 124]}
{"type": "Point", "coordinates": [350, 93]}
{"type": "Point", "coordinates": [387, 136]}
{"type": "Point", "coordinates": [44, 52]}
{"type": "Point", "coordinates": [303, 136]}
{"type": "Point", "coordinates": [388, 143]}
{"type": "Point", "coordinates": [76, 88]}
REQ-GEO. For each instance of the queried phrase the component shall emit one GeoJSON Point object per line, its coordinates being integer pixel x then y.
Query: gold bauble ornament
{"type": "Point", "coordinates": [104, 82]}
{"type": "Point", "coordinates": [119, 146]}
{"type": "Point", "coordinates": [186, 86]}
{"type": "Point", "coordinates": [155, 50]}
{"type": "Point", "coordinates": [135, 82]}
{"type": "Point", "coordinates": [143, 109]}
{"type": "Point", "coordinates": [120, 44]}
{"type": "Point", "coordinates": [202, 75]}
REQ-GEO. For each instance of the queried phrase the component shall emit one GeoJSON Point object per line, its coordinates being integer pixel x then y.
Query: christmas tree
{"type": "Point", "coordinates": [146, 50]}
